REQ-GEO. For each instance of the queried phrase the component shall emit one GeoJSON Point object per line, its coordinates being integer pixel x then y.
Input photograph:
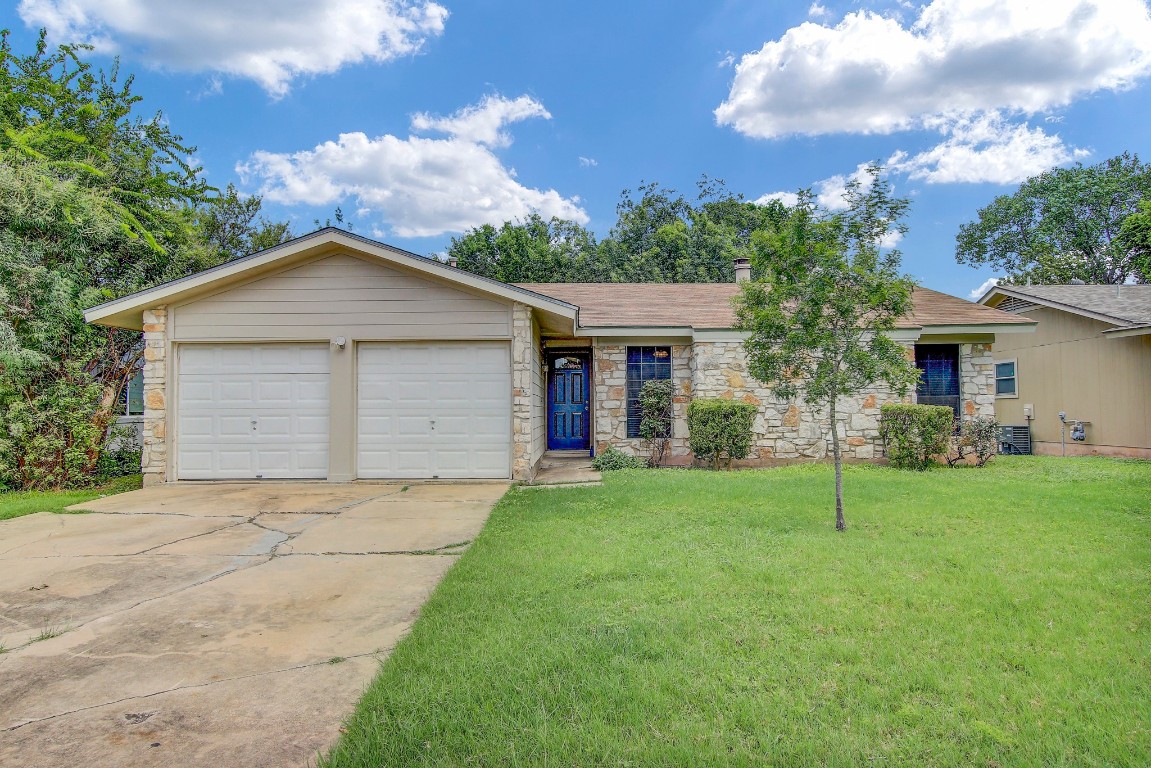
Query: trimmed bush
{"type": "Point", "coordinates": [913, 434]}
{"type": "Point", "coordinates": [655, 407]}
{"type": "Point", "coordinates": [720, 430]}
{"type": "Point", "coordinates": [613, 458]}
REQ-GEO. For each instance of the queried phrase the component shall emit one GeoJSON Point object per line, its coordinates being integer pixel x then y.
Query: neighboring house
{"type": "Point", "coordinates": [1090, 358]}
{"type": "Point", "coordinates": [334, 356]}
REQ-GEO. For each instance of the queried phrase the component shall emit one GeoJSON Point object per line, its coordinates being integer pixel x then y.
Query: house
{"type": "Point", "coordinates": [1089, 359]}
{"type": "Point", "coordinates": [334, 356]}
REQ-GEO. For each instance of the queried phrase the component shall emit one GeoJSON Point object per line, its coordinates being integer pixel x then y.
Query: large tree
{"type": "Point", "coordinates": [1062, 225]}
{"type": "Point", "coordinates": [232, 225]}
{"type": "Point", "coordinates": [659, 237]}
{"type": "Point", "coordinates": [535, 250]}
{"type": "Point", "coordinates": [95, 201]}
{"type": "Point", "coordinates": [826, 297]}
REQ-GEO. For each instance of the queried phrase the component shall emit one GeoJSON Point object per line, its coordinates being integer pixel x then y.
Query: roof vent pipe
{"type": "Point", "coordinates": [453, 261]}
{"type": "Point", "coordinates": [742, 270]}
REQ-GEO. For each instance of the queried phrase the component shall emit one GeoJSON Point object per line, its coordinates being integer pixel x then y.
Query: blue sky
{"type": "Point", "coordinates": [421, 119]}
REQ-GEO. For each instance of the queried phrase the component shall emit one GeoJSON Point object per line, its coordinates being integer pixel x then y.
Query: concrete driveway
{"type": "Point", "coordinates": [213, 624]}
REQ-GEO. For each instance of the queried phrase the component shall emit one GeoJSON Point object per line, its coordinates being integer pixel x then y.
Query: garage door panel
{"type": "Point", "coordinates": [252, 411]}
{"type": "Point", "coordinates": [404, 388]}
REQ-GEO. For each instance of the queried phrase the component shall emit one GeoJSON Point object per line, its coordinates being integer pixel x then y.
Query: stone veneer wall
{"type": "Point", "coordinates": [609, 379]}
{"type": "Point", "coordinates": [523, 358]}
{"type": "Point", "coordinates": [785, 429]}
{"type": "Point", "coordinates": [977, 380]}
{"type": "Point", "coordinates": [154, 446]}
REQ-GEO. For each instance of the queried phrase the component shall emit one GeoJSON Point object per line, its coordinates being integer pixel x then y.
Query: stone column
{"type": "Point", "coordinates": [154, 449]}
{"type": "Point", "coordinates": [522, 361]}
{"type": "Point", "coordinates": [977, 380]}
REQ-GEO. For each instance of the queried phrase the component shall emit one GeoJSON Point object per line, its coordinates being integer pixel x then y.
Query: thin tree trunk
{"type": "Point", "coordinates": [840, 522]}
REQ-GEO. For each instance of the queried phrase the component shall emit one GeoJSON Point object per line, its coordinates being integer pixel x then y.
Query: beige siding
{"type": "Point", "coordinates": [1068, 365]}
{"type": "Point", "coordinates": [539, 398]}
{"type": "Point", "coordinates": [342, 295]}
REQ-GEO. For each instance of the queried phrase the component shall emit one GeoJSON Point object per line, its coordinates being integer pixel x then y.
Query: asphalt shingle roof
{"type": "Point", "coordinates": [708, 305]}
{"type": "Point", "coordinates": [1130, 304]}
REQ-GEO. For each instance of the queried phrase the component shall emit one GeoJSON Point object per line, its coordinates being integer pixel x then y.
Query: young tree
{"type": "Point", "coordinates": [1063, 225]}
{"type": "Point", "coordinates": [826, 297]}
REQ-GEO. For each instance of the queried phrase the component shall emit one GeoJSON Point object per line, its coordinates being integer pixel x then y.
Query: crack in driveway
{"type": "Point", "coordinates": [300, 615]}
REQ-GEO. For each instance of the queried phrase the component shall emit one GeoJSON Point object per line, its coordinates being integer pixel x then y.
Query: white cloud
{"type": "Point", "coordinates": [872, 74]}
{"type": "Point", "coordinates": [986, 148]}
{"type": "Point", "coordinates": [828, 192]}
{"type": "Point", "coordinates": [787, 198]}
{"type": "Point", "coordinates": [728, 60]}
{"type": "Point", "coordinates": [483, 123]}
{"type": "Point", "coordinates": [817, 11]}
{"type": "Point", "coordinates": [417, 186]}
{"type": "Point", "coordinates": [588, 162]}
{"type": "Point", "coordinates": [269, 41]}
{"type": "Point", "coordinates": [987, 285]}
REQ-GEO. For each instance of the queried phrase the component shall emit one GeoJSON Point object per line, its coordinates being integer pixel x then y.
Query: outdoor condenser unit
{"type": "Point", "coordinates": [1015, 438]}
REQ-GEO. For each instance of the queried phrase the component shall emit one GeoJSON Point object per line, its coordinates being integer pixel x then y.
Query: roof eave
{"type": "Point", "coordinates": [1128, 331]}
{"type": "Point", "coordinates": [1045, 302]}
{"type": "Point", "coordinates": [126, 311]}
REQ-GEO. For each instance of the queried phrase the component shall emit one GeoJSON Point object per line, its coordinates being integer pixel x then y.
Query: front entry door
{"type": "Point", "coordinates": [568, 403]}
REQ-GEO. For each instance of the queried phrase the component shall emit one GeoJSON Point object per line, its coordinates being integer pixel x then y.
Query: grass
{"type": "Point", "coordinates": [994, 617]}
{"type": "Point", "coordinates": [48, 633]}
{"type": "Point", "coordinates": [16, 504]}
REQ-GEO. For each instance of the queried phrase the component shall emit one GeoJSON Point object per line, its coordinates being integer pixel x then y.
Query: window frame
{"type": "Point", "coordinates": [953, 352]}
{"type": "Point", "coordinates": [631, 403]}
{"type": "Point", "coordinates": [996, 378]}
{"type": "Point", "coordinates": [125, 408]}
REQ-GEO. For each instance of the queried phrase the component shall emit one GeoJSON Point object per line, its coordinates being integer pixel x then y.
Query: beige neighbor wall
{"type": "Point", "coordinates": [1069, 365]}
{"type": "Point", "coordinates": [334, 295]}
{"type": "Point", "coordinates": [784, 430]}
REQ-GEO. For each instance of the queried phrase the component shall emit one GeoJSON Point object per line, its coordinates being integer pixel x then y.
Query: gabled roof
{"type": "Point", "coordinates": [708, 306]}
{"type": "Point", "coordinates": [1128, 307]}
{"type": "Point", "coordinates": [570, 306]}
{"type": "Point", "coordinates": [126, 311]}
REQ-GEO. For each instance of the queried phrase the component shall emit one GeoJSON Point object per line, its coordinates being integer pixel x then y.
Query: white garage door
{"type": "Point", "coordinates": [252, 411]}
{"type": "Point", "coordinates": [434, 410]}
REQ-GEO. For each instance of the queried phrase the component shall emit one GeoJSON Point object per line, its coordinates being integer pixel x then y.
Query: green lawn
{"type": "Point", "coordinates": [995, 617]}
{"type": "Point", "coordinates": [29, 502]}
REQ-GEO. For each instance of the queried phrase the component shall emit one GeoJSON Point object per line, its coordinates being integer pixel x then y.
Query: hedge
{"type": "Point", "coordinates": [720, 430]}
{"type": "Point", "coordinates": [913, 434]}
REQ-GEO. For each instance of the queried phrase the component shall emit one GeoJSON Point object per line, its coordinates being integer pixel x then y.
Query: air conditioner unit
{"type": "Point", "coordinates": [1015, 438]}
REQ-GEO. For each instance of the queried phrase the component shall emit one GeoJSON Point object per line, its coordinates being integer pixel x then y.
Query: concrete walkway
{"type": "Point", "coordinates": [213, 624]}
{"type": "Point", "coordinates": [565, 468]}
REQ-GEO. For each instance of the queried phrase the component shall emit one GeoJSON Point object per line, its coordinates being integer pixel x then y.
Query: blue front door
{"type": "Point", "coordinates": [568, 403]}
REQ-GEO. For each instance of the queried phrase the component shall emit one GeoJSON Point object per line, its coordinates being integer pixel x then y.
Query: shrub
{"type": "Point", "coordinates": [613, 458]}
{"type": "Point", "coordinates": [720, 430]}
{"type": "Point", "coordinates": [913, 434]}
{"type": "Point", "coordinates": [978, 437]}
{"type": "Point", "coordinates": [655, 404]}
{"type": "Point", "coordinates": [120, 457]}
{"type": "Point", "coordinates": [51, 439]}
